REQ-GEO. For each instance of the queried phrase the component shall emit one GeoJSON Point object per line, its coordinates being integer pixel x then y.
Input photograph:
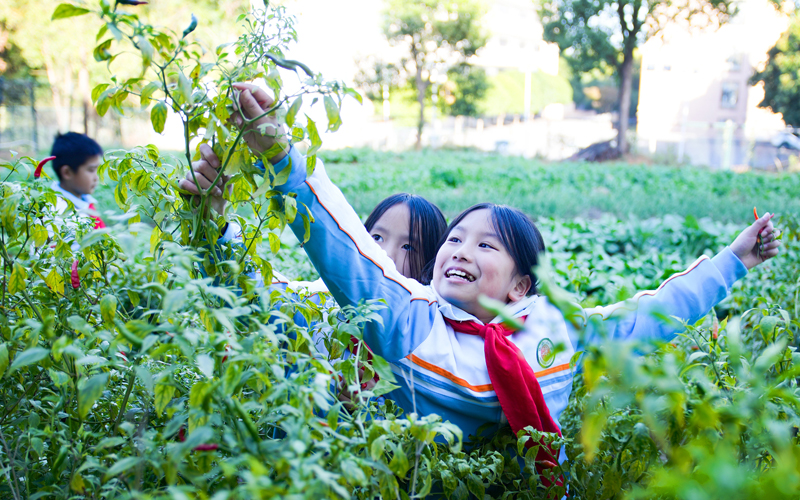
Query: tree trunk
{"type": "Point", "coordinates": [70, 95]}
{"type": "Point", "coordinates": [421, 88]}
{"type": "Point", "coordinates": [626, 81]}
{"type": "Point", "coordinates": [55, 82]}
{"type": "Point", "coordinates": [85, 93]}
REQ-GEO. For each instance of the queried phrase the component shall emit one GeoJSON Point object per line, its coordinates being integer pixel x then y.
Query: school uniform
{"type": "Point", "coordinates": [84, 204]}
{"type": "Point", "coordinates": [443, 371]}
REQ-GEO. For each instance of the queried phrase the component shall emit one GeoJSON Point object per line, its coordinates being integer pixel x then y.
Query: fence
{"type": "Point", "coordinates": [18, 114]}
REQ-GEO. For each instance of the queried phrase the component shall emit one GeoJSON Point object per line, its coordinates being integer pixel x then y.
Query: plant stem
{"type": "Point", "coordinates": [131, 380]}
{"type": "Point", "coordinates": [10, 456]}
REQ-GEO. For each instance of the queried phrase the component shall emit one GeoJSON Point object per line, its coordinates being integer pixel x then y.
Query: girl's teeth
{"type": "Point", "coordinates": [460, 274]}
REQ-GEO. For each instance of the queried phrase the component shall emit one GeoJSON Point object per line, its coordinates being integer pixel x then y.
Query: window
{"type": "Point", "coordinates": [734, 62]}
{"type": "Point", "coordinates": [730, 95]}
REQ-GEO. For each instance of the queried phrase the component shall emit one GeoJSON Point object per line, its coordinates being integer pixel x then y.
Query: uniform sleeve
{"type": "Point", "coordinates": [655, 314]}
{"type": "Point", "coordinates": [232, 232]}
{"type": "Point", "coordinates": [354, 267]}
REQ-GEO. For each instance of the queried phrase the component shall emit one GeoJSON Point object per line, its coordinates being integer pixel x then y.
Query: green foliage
{"type": "Point", "coordinates": [464, 91]}
{"type": "Point", "coordinates": [780, 76]}
{"type": "Point", "coordinates": [453, 179]}
{"type": "Point", "coordinates": [182, 387]}
{"type": "Point", "coordinates": [150, 377]}
{"type": "Point", "coordinates": [61, 52]}
{"type": "Point", "coordinates": [507, 92]}
{"type": "Point", "coordinates": [162, 372]}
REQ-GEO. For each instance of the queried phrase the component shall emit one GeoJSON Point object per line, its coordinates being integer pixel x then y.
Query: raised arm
{"type": "Point", "coordinates": [355, 268]}
{"type": "Point", "coordinates": [351, 264]}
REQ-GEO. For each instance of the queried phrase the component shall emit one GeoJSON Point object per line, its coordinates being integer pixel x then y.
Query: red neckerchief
{"type": "Point", "coordinates": [98, 222]}
{"type": "Point", "coordinates": [515, 384]}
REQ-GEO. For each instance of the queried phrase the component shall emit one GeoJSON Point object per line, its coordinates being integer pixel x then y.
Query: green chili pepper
{"type": "Point", "coordinates": [758, 237]}
{"type": "Point", "coordinates": [248, 422]}
{"type": "Point", "coordinates": [192, 26]}
{"type": "Point", "coordinates": [290, 64]}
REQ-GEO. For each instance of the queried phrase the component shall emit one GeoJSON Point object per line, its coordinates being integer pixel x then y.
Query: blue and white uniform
{"type": "Point", "coordinates": [82, 203]}
{"type": "Point", "coordinates": [444, 372]}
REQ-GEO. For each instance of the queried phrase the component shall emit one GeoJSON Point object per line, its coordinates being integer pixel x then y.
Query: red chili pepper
{"type": "Point", "coordinates": [76, 279]}
{"type": "Point", "coordinates": [548, 464]}
{"type": "Point", "coordinates": [182, 434]}
{"type": "Point", "coordinates": [38, 172]}
{"type": "Point", "coordinates": [206, 447]}
{"type": "Point", "coordinates": [225, 357]}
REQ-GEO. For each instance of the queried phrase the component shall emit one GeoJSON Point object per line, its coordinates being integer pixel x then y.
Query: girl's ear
{"type": "Point", "coordinates": [520, 290]}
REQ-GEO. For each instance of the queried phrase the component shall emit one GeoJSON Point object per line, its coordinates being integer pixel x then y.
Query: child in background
{"type": "Point", "coordinates": [76, 160]}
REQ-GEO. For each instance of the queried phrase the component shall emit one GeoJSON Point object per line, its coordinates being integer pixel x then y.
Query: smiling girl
{"type": "Point", "coordinates": [452, 356]}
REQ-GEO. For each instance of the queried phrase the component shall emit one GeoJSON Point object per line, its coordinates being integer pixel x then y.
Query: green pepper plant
{"type": "Point", "coordinates": [141, 361]}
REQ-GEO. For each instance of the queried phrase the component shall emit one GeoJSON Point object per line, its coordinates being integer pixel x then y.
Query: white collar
{"type": "Point", "coordinates": [81, 203]}
{"type": "Point", "coordinates": [517, 309]}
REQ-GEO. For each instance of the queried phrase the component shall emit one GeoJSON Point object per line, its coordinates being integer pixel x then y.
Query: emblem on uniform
{"type": "Point", "coordinates": [545, 353]}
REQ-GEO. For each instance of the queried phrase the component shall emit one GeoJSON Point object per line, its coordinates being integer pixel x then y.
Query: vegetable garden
{"type": "Point", "coordinates": [141, 361]}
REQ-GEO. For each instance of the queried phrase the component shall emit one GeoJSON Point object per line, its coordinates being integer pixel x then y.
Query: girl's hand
{"type": "Point", "coordinates": [747, 247]}
{"type": "Point", "coordinates": [263, 134]}
{"type": "Point", "coordinates": [350, 398]}
{"type": "Point", "coordinates": [206, 170]}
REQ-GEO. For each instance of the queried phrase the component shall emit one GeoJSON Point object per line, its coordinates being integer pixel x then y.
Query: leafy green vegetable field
{"type": "Point", "coordinates": [455, 179]}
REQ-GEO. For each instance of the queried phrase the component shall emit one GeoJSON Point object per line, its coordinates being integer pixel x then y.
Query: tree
{"type": "Point", "coordinates": [781, 76]}
{"type": "Point", "coordinates": [604, 34]}
{"type": "Point", "coordinates": [439, 35]}
{"type": "Point", "coordinates": [464, 91]}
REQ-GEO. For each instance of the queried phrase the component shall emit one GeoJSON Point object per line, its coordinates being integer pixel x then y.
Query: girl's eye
{"type": "Point", "coordinates": [377, 237]}
{"type": "Point", "coordinates": [486, 245]}
{"type": "Point", "coordinates": [454, 239]}
{"type": "Point", "coordinates": [407, 247]}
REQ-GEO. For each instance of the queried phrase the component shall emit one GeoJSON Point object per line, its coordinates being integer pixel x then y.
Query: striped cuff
{"type": "Point", "coordinates": [729, 266]}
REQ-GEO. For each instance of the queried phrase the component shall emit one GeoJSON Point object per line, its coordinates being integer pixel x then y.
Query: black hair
{"type": "Point", "coordinates": [73, 149]}
{"type": "Point", "coordinates": [427, 225]}
{"type": "Point", "coordinates": [519, 235]}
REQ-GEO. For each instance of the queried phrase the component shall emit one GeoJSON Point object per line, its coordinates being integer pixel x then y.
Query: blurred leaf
{"type": "Point", "coordinates": [28, 357]}
{"type": "Point", "coordinates": [66, 10]}
{"type": "Point", "coordinates": [158, 116]}
{"type": "Point", "coordinates": [89, 391]}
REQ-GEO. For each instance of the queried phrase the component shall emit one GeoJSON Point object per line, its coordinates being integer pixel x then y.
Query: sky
{"type": "Point", "coordinates": [332, 35]}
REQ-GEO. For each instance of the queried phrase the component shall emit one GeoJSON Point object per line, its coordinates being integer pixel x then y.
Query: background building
{"type": "Point", "coordinates": [695, 102]}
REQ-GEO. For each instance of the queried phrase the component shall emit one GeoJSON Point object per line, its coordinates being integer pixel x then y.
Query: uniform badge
{"type": "Point", "coordinates": [545, 353]}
